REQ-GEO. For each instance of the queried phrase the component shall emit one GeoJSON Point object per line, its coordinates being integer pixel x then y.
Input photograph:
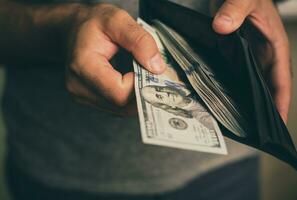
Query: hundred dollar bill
{"type": "Point", "coordinates": [169, 112]}
{"type": "Point", "coordinates": [202, 79]}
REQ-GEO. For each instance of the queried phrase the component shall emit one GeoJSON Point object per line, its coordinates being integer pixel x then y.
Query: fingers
{"type": "Point", "coordinates": [231, 15]}
{"type": "Point", "coordinates": [95, 44]}
{"type": "Point", "coordinates": [125, 31]}
{"type": "Point", "coordinates": [281, 79]}
{"type": "Point", "coordinates": [265, 17]}
{"type": "Point", "coordinates": [96, 71]}
{"type": "Point", "coordinates": [280, 76]}
{"type": "Point", "coordinates": [84, 94]}
{"type": "Point", "coordinates": [282, 97]}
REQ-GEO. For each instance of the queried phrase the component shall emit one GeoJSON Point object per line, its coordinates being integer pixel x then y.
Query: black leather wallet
{"type": "Point", "coordinates": [232, 59]}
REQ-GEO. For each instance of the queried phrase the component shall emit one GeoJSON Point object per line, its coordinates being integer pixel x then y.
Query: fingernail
{"type": "Point", "coordinates": [156, 64]}
{"type": "Point", "coordinates": [223, 20]}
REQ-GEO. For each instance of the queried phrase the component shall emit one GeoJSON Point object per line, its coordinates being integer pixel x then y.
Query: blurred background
{"type": "Point", "coordinates": [278, 180]}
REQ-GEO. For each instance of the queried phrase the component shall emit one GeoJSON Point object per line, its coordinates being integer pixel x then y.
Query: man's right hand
{"type": "Point", "coordinates": [90, 77]}
{"type": "Point", "coordinates": [87, 36]}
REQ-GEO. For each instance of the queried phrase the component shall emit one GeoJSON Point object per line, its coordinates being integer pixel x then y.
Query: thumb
{"type": "Point", "coordinates": [231, 15]}
{"type": "Point", "coordinates": [127, 33]}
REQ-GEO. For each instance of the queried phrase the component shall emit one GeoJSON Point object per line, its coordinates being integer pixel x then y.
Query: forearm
{"type": "Point", "coordinates": [36, 33]}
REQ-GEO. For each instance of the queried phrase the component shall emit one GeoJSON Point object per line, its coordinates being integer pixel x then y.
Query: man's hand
{"type": "Point", "coordinates": [263, 14]}
{"type": "Point", "coordinates": [90, 77]}
{"type": "Point", "coordinates": [89, 36]}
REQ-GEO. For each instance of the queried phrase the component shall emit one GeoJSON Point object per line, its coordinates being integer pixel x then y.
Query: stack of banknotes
{"type": "Point", "coordinates": [182, 107]}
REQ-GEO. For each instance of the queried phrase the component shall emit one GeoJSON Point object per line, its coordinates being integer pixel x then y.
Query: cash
{"type": "Point", "coordinates": [170, 112]}
{"type": "Point", "coordinates": [202, 80]}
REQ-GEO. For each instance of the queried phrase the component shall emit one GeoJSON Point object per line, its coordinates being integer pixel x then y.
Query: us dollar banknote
{"type": "Point", "coordinates": [202, 79]}
{"type": "Point", "coordinates": [169, 112]}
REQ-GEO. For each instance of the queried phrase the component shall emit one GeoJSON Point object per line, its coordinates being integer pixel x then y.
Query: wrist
{"type": "Point", "coordinates": [53, 25]}
{"type": "Point", "coordinates": [57, 15]}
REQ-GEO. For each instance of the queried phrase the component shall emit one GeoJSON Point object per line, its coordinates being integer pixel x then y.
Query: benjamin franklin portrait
{"type": "Point", "coordinates": [179, 102]}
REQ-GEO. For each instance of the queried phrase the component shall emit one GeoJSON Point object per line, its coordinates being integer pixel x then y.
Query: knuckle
{"type": "Point", "coordinates": [121, 99]}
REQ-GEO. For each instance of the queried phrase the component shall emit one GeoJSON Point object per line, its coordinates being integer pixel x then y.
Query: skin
{"type": "Point", "coordinates": [274, 52]}
{"type": "Point", "coordinates": [87, 38]}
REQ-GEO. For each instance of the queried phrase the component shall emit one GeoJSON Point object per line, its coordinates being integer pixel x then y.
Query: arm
{"type": "Point", "coordinates": [87, 37]}
{"type": "Point", "coordinates": [36, 33]}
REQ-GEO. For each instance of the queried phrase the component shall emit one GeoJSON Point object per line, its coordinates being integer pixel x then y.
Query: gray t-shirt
{"type": "Point", "coordinates": [68, 145]}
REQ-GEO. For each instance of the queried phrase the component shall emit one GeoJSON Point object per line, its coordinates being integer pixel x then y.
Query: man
{"type": "Point", "coordinates": [59, 149]}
